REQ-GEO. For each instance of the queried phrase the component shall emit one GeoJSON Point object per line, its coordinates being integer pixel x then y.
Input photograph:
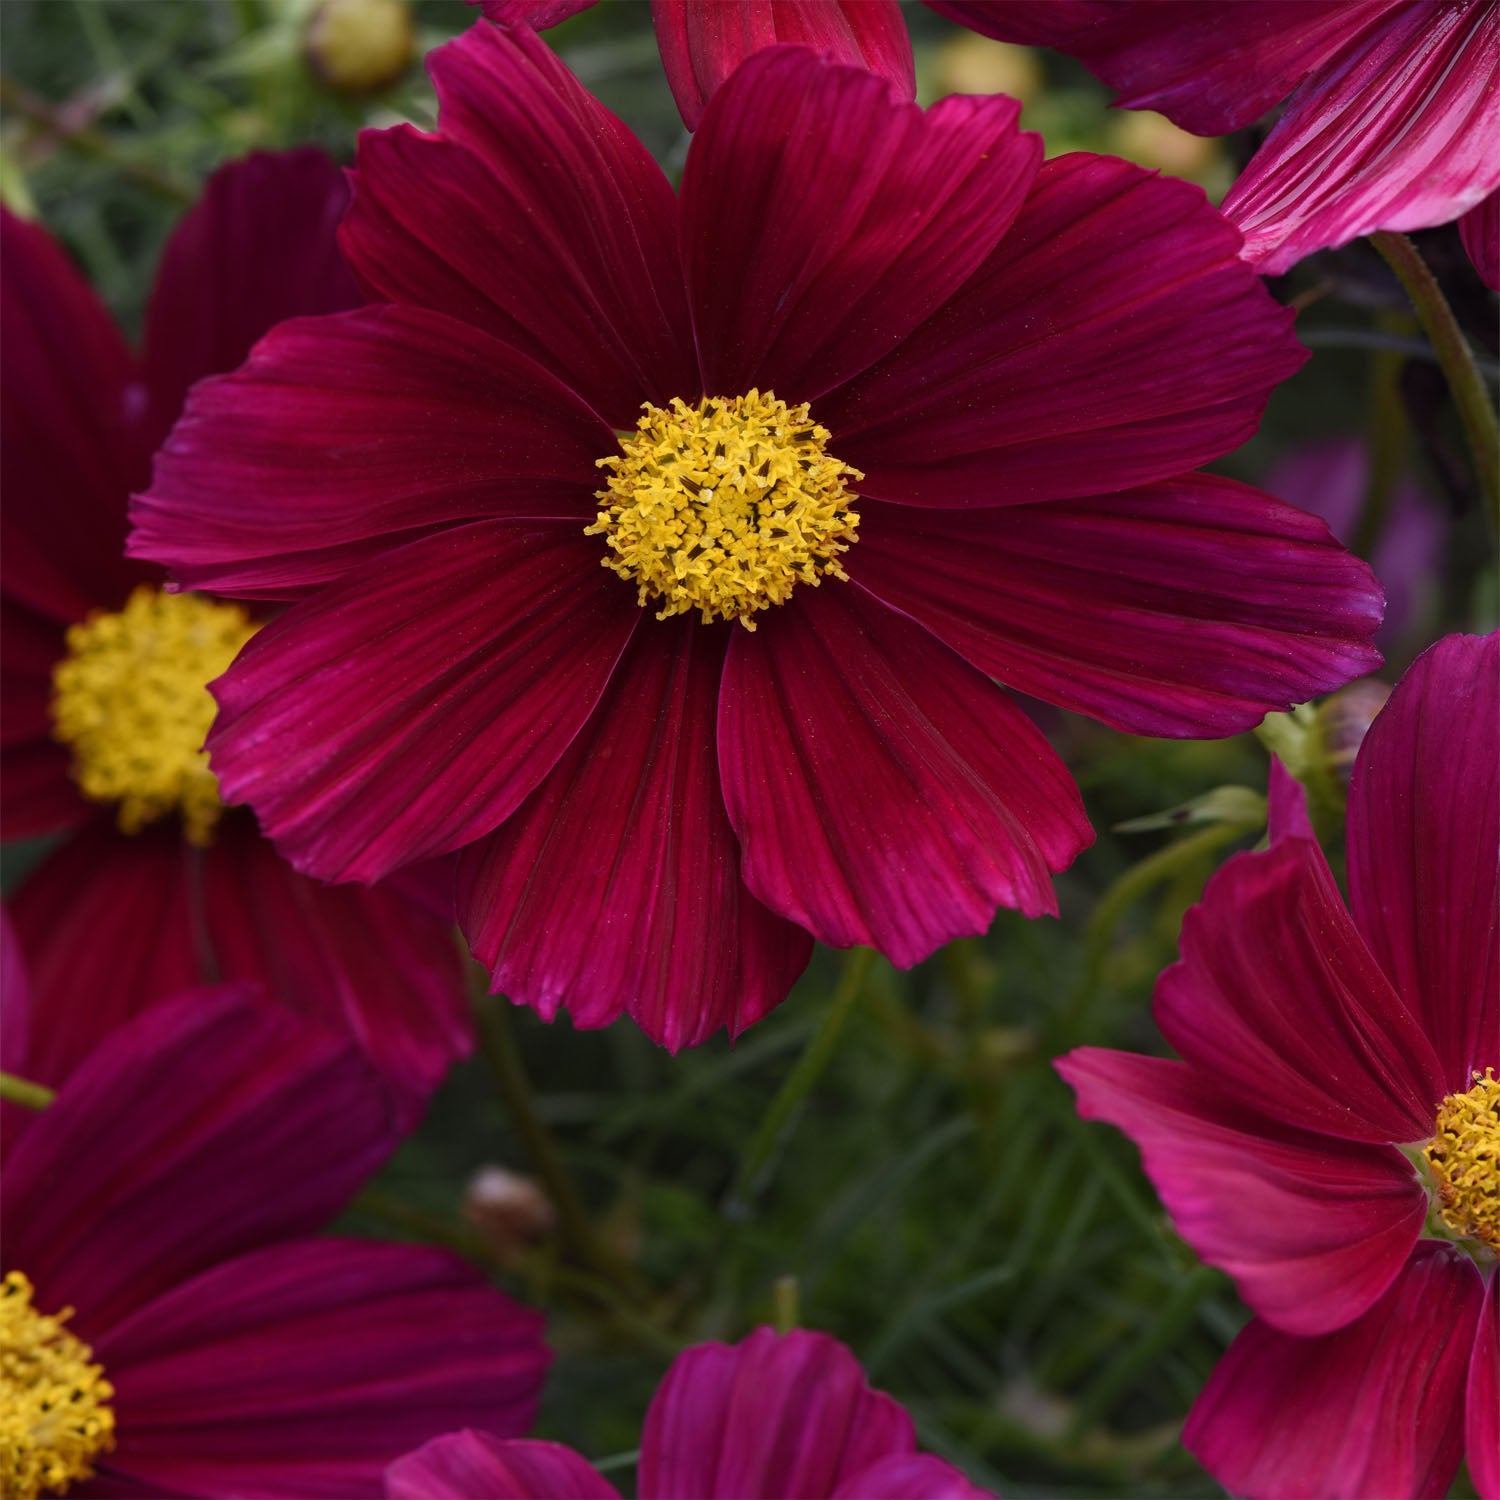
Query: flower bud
{"type": "Point", "coordinates": [360, 46]}
{"type": "Point", "coordinates": [511, 1211]}
{"type": "Point", "coordinates": [1342, 723]}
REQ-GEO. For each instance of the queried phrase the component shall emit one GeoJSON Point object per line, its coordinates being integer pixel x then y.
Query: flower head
{"type": "Point", "coordinates": [1391, 113]}
{"type": "Point", "coordinates": [776, 1416]}
{"type": "Point", "coordinates": [878, 384]}
{"type": "Point", "coordinates": [1331, 1136]}
{"type": "Point", "coordinates": [158, 886]}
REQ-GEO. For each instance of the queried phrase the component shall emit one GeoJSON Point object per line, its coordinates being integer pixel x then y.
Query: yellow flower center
{"type": "Point", "coordinates": [725, 507]}
{"type": "Point", "coordinates": [1464, 1158]}
{"type": "Point", "coordinates": [130, 700]}
{"type": "Point", "coordinates": [54, 1416]}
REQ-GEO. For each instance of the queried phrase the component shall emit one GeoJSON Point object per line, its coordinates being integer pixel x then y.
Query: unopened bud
{"type": "Point", "coordinates": [973, 64]}
{"type": "Point", "coordinates": [360, 46]}
{"type": "Point", "coordinates": [1343, 721]}
{"type": "Point", "coordinates": [509, 1210]}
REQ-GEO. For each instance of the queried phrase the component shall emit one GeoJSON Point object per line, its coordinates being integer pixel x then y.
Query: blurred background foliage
{"type": "Point", "coordinates": [919, 1184]}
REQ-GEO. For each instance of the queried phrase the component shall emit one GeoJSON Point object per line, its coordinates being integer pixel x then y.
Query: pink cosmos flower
{"type": "Point", "coordinates": [774, 1417]}
{"type": "Point", "coordinates": [158, 1265]}
{"type": "Point", "coordinates": [1392, 117]}
{"type": "Point", "coordinates": [703, 41]}
{"type": "Point", "coordinates": [1331, 1137]}
{"type": "Point", "coordinates": [113, 919]}
{"type": "Point", "coordinates": [657, 553]}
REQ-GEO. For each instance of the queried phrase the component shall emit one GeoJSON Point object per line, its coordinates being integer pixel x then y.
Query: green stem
{"type": "Point", "coordinates": [497, 1040]}
{"type": "Point", "coordinates": [1475, 410]}
{"type": "Point", "coordinates": [1386, 435]}
{"type": "Point", "coordinates": [776, 1123]}
{"type": "Point", "coordinates": [784, 1303]}
{"type": "Point", "coordinates": [24, 1091]}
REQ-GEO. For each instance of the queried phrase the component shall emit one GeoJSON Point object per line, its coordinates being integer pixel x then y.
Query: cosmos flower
{"type": "Point", "coordinates": [774, 1417]}
{"type": "Point", "coordinates": [166, 1323]}
{"type": "Point", "coordinates": [104, 674]}
{"type": "Point", "coordinates": [657, 554]}
{"type": "Point", "coordinates": [1331, 1137]}
{"type": "Point", "coordinates": [1392, 107]}
{"type": "Point", "coordinates": [703, 41]}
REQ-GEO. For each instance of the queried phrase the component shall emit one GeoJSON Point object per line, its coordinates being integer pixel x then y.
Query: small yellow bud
{"type": "Point", "coordinates": [360, 46]}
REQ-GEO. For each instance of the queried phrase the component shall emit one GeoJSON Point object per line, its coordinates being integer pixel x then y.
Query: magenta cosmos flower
{"type": "Point", "coordinates": [1331, 1137]}
{"type": "Point", "coordinates": [1392, 117]}
{"type": "Point", "coordinates": [104, 674]}
{"type": "Point", "coordinates": [657, 553]}
{"type": "Point", "coordinates": [774, 1417]}
{"type": "Point", "coordinates": [703, 41]}
{"type": "Point", "coordinates": [159, 1274]}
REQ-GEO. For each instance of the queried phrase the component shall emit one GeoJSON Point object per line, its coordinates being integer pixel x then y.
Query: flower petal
{"type": "Point", "coordinates": [258, 247]}
{"type": "Point", "coordinates": [1114, 338]}
{"type": "Point", "coordinates": [1312, 1229]}
{"type": "Point", "coordinates": [539, 14]}
{"type": "Point", "coordinates": [883, 791]}
{"type": "Point", "coordinates": [408, 709]}
{"type": "Point", "coordinates": [1424, 845]}
{"type": "Point", "coordinates": [304, 1369]}
{"type": "Point", "coordinates": [15, 1031]}
{"type": "Point", "coordinates": [1395, 131]}
{"type": "Point", "coordinates": [840, 217]}
{"type": "Point", "coordinates": [1480, 231]}
{"type": "Point", "coordinates": [345, 436]}
{"type": "Point", "coordinates": [703, 41]}
{"type": "Point", "coordinates": [112, 923]}
{"type": "Point", "coordinates": [472, 1465]}
{"type": "Point", "coordinates": [1374, 1409]}
{"type": "Point", "coordinates": [535, 214]}
{"type": "Point", "coordinates": [1214, 67]}
{"type": "Point", "coordinates": [1277, 996]}
{"type": "Point", "coordinates": [70, 399]}
{"type": "Point", "coordinates": [778, 1416]}
{"type": "Point", "coordinates": [1189, 608]}
{"type": "Point", "coordinates": [204, 1127]}
{"type": "Point", "coordinates": [656, 920]}
{"type": "Point", "coordinates": [910, 1476]}
{"type": "Point", "coordinates": [1482, 1396]}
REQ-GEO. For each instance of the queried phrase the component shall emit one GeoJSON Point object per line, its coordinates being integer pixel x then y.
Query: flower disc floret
{"type": "Point", "coordinates": [726, 506]}
{"type": "Point", "coordinates": [55, 1418]}
{"type": "Point", "coordinates": [130, 700]}
{"type": "Point", "coordinates": [1464, 1158]}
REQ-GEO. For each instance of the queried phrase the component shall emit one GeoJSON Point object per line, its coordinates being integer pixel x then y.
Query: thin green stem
{"type": "Point", "coordinates": [777, 1122]}
{"type": "Point", "coordinates": [785, 1301]}
{"type": "Point", "coordinates": [1475, 409]}
{"type": "Point", "coordinates": [497, 1040]}
{"type": "Point", "coordinates": [24, 1091]}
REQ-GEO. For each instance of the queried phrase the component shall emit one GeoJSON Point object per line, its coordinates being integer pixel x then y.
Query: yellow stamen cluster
{"type": "Point", "coordinates": [130, 700]}
{"type": "Point", "coordinates": [725, 507]}
{"type": "Point", "coordinates": [1464, 1157]}
{"type": "Point", "coordinates": [54, 1415]}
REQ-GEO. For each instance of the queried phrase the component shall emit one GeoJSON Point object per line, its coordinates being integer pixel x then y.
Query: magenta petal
{"type": "Point", "coordinates": [1312, 1229]}
{"type": "Point", "coordinates": [258, 247]}
{"type": "Point", "coordinates": [884, 791]}
{"type": "Point", "coordinates": [656, 920]}
{"type": "Point", "coordinates": [1374, 1410]}
{"type": "Point", "coordinates": [1212, 66]}
{"type": "Point", "coordinates": [1482, 1397]}
{"type": "Point", "coordinates": [540, 14]}
{"type": "Point", "coordinates": [472, 1465]}
{"type": "Point", "coordinates": [15, 1031]}
{"type": "Point", "coordinates": [1113, 339]}
{"type": "Point", "coordinates": [1396, 131]}
{"type": "Point", "coordinates": [703, 41]}
{"type": "Point", "coordinates": [778, 1416]}
{"type": "Point", "coordinates": [534, 214]}
{"type": "Point", "coordinates": [910, 1476]}
{"type": "Point", "coordinates": [204, 1127]}
{"type": "Point", "coordinates": [70, 400]}
{"type": "Point", "coordinates": [408, 709]}
{"type": "Point", "coordinates": [1190, 608]}
{"type": "Point", "coordinates": [304, 1369]}
{"type": "Point", "coordinates": [111, 924]}
{"type": "Point", "coordinates": [344, 436]}
{"type": "Point", "coordinates": [1480, 230]}
{"type": "Point", "coordinates": [1278, 997]}
{"type": "Point", "coordinates": [840, 217]}
{"type": "Point", "coordinates": [1424, 843]}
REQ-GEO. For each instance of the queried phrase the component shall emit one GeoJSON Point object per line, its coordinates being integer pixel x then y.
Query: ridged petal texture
{"type": "Point", "coordinates": [467, 1465]}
